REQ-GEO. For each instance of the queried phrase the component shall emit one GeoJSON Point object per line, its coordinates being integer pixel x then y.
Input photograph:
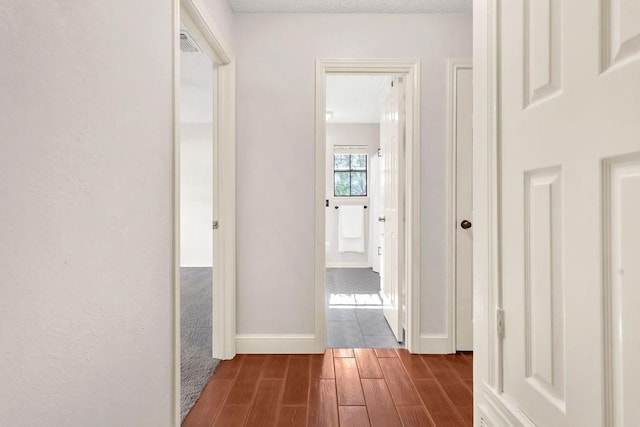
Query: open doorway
{"type": "Point", "coordinates": [365, 126]}
{"type": "Point", "coordinates": [204, 205]}
{"type": "Point", "coordinates": [197, 76]}
{"type": "Point", "coordinates": [366, 173]}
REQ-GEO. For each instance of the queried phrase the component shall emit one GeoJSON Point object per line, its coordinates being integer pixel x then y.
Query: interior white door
{"type": "Point", "coordinates": [392, 131]}
{"type": "Point", "coordinates": [464, 205]}
{"type": "Point", "coordinates": [569, 135]}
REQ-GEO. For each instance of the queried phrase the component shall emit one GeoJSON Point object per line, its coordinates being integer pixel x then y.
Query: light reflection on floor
{"type": "Point", "coordinates": [355, 300]}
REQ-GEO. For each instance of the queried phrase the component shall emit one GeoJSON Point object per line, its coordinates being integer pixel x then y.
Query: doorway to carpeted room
{"type": "Point", "coordinates": [196, 363]}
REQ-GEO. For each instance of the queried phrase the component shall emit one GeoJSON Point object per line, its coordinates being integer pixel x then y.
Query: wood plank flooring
{"type": "Point", "coordinates": [343, 387]}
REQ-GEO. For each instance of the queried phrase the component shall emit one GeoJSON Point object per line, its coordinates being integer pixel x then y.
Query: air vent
{"type": "Point", "coordinates": [187, 43]}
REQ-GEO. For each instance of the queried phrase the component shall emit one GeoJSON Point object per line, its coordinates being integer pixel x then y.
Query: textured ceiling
{"type": "Point", "coordinates": [354, 99]}
{"type": "Point", "coordinates": [351, 6]}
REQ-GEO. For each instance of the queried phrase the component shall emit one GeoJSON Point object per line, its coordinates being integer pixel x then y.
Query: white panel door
{"type": "Point", "coordinates": [569, 135]}
{"type": "Point", "coordinates": [392, 130]}
{"type": "Point", "coordinates": [464, 207]}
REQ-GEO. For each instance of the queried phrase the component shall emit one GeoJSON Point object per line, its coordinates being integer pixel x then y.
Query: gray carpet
{"type": "Point", "coordinates": [354, 312]}
{"type": "Point", "coordinates": [196, 363]}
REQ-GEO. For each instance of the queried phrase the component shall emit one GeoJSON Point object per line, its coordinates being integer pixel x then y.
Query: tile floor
{"type": "Point", "coordinates": [354, 312]}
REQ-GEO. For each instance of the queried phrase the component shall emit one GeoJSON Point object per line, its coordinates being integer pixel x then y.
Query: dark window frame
{"type": "Point", "coordinates": [351, 170]}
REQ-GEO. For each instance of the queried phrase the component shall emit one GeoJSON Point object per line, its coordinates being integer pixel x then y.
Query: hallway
{"type": "Point", "coordinates": [347, 387]}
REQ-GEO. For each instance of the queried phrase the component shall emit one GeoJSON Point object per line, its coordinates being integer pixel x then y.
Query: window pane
{"type": "Point", "coordinates": [359, 162]}
{"type": "Point", "coordinates": [341, 180]}
{"type": "Point", "coordinates": [341, 162]}
{"type": "Point", "coordinates": [358, 183]}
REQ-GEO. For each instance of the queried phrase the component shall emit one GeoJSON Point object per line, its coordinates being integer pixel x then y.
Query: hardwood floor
{"type": "Point", "coordinates": [343, 387]}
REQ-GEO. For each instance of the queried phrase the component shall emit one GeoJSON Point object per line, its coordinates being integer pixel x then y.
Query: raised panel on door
{"type": "Point", "coordinates": [542, 46]}
{"type": "Point", "coordinates": [620, 23]}
{"type": "Point", "coordinates": [569, 111]}
{"type": "Point", "coordinates": [622, 289]}
{"type": "Point", "coordinates": [544, 287]}
{"type": "Point", "coordinates": [375, 244]}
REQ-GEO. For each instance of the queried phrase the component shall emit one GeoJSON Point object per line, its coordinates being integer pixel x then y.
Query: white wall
{"type": "Point", "coordinates": [276, 70]}
{"type": "Point", "coordinates": [196, 195]}
{"type": "Point", "coordinates": [348, 134]}
{"type": "Point", "coordinates": [196, 159]}
{"type": "Point", "coordinates": [86, 213]}
{"type": "Point", "coordinates": [220, 14]}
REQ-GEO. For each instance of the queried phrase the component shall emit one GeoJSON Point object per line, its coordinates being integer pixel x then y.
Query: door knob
{"type": "Point", "coordinates": [465, 224]}
{"type": "Point", "coordinates": [381, 219]}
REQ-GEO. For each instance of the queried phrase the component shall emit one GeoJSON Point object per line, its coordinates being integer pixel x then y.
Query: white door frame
{"type": "Point", "coordinates": [453, 65]}
{"type": "Point", "coordinates": [411, 69]}
{"type": "Point", "coordinates": [489, 400]}
{"type": "Point", "coordinates": [195, 15]}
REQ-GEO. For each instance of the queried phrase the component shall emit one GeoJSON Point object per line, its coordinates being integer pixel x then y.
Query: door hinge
{"type": "Point", "coordinates": [500, 322]}
{"type": "Point", "coordinates": [379, 152]}
{"type": "Point", "coordinates": [215, 225]}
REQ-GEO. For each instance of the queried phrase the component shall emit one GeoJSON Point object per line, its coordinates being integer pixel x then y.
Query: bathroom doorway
{"type": "Point", "coordinates": [365, 133]}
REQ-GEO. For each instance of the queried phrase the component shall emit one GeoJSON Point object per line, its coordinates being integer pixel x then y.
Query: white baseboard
{"type": "Point", "coordinates": [276, 344]}
{"type": "Point", "coordinates": [435, 344]}
{"type": "Point", "coordinates": [348, 265]}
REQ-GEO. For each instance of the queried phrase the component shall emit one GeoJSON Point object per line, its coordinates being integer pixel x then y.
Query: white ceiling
{"type": "Point", "coordinates": [352, 6]}
{"type": "Point", "coordinates": [355, 99]}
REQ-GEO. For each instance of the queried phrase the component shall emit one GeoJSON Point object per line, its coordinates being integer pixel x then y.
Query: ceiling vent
{"type": "Point", "coordinates": [187, 43]}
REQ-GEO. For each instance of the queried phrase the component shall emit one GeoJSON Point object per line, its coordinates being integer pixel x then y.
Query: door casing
{"type": "Point", "coordinates": [224, 241]}
{"type": "Point", "coordinates": [410, 68]}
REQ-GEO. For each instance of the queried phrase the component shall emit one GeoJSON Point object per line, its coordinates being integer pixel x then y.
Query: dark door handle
{"type": "Point", "coordinates": [465, 224]}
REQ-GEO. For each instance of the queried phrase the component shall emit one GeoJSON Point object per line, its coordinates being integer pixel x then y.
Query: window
{"type": "Point", "coordinates": [349, 175]}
